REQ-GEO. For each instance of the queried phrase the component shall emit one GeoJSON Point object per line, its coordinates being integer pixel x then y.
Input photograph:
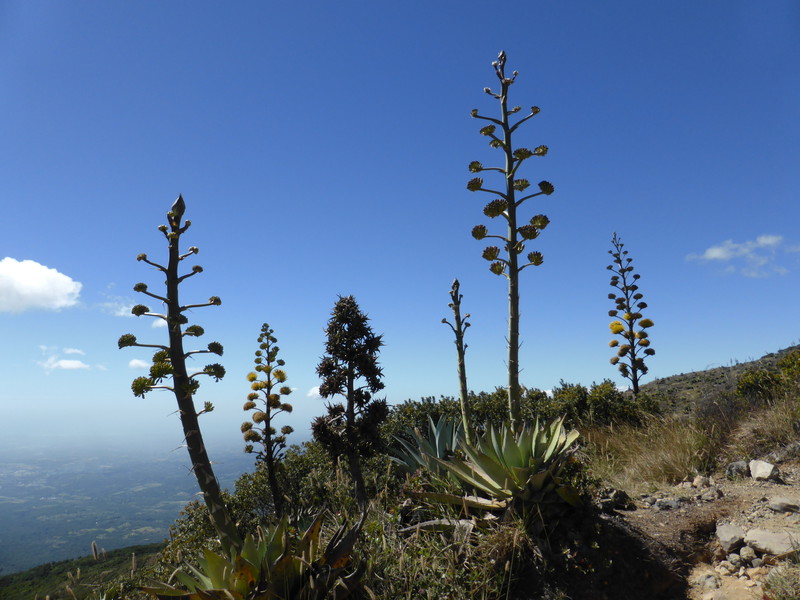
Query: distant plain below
{"type": "Point", "coordinates": [54, 504]}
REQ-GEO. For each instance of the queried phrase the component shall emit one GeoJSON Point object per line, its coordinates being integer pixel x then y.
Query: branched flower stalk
{"type": "Point", "coordinates": [632, 327]}
{"type": "Point", "coordinates": [169, 370]}
{"type": "Point", "coordinates": [459, 327]}
{"type": "Point", "coordinates": [266, 402]}
{"type": "Point", "coordinates": [350, 369]}
{"type": "Point", "coordinates": [505, 261]}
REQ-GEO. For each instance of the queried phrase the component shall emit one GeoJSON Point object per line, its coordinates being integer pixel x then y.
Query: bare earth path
{"type": "Point", "coordinates": [685, 518]}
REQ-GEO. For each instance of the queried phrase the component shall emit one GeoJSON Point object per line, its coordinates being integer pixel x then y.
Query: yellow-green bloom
{"type": "Point", "coordinates": [616, 327]}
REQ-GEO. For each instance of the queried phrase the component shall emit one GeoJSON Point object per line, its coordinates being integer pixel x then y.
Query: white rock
{"type": "Point", "coordinates": [762, 471]}
{"type": "Point", "coordinates": [772, 542]}
{"type": "Point", "coordinates": [784, 505]}
{"type": "Point", "coordinates": [730, 537]}
{"type": "Point", "coordinates": [747, 554]}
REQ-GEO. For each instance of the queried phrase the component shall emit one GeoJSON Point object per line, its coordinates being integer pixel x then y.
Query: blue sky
{"type": "Point", "coordinates": [322, 149]}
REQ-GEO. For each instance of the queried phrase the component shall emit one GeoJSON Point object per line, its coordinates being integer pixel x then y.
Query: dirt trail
{"type": "Point", "coordinates": [688, 528]}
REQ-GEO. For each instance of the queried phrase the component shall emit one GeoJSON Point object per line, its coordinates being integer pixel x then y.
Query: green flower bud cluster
{"type": "Point", "coordinates": [479, 232]}
{"type": "Point", "coordinates": [475, 184]}
{"type": "Point", "coordinates": [139, 310]}
{"type": "Point", "coordinates": [491, 253]}
{"type": "Point", "coordinates": [495, 208]}
{"type": "Point", "coordinates": [521, 184]}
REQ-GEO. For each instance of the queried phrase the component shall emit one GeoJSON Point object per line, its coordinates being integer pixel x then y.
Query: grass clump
{"type": "Point", "coordinates": [662, 451]}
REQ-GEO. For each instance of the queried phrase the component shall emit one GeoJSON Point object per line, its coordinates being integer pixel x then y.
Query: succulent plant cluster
{"type": "Point", "coordinates": [266, 402]}
{"type": "Point", "coordinates": [504, 259]}
{"type": "Point", "coordinates": [271, 567]}
{"type": "Point", "coordinates": [516, 470]}
{"type": "Point", "coordinates": [631, 326]}
{"type": "Point", "coordinates": [417, 449]}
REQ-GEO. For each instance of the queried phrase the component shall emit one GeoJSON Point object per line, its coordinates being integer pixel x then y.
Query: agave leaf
{"type": "Point", "coordinates": [337, 554]}
{"type": "Point", "coordinates": [571, 437]}
{"type": "Point", "coordinates": [250, 550]}
{"type": "Point", "coordinates": [222, 594]}
{"type": "Point", "coordinates": [160, 589]}
{"type": "Point", "coordinates": [554, 433]}
{"type": "Point", "coordinates": [537, 480]}
{"type": "Point", "coordinates": [346, 585]}
{"type": "Point", "coordinates": [467, 501]}
{"type": "Point", "coordinates": [477, 478]}
{"type": "Point", "coordinates": [277, 543]}
{"type": "Point", "coordinates": [491, 471]}
{"type": "Point", "coordinates": [511, 456]}
{"type": "Point", "coordinates": [569, 495]}
{"type": "Point", "coordinates": [522, 476]}
{"type": "Point", "coordinates": [409, 457]}
{"type": "Point", "coordinates": [491, 445]}
{"type": "Point", "coordinates": [525, 444]}
{"type": "Point", "coordinates": [215, 568]}
{"type": "Point", "coordinates": [190, 583]}
{"type": "Point", "coordinates": [310, 541]}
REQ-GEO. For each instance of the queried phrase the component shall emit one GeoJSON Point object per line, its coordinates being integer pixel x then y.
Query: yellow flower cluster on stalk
{"type": "Point", "coordinates": [631, 326]}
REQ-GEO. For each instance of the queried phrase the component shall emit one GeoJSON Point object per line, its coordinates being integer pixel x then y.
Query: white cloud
{"type": "Point", "coordinates": [313, 392]}
{"type": "Point", "coordinates": [27, 285]}
{"type": "Point", "coordinates": [753, 258]}
{"type": "Point", "coordinates": [74, 351]}
{"type": "Point", "coordinates": [158, 323]}
{"type": "Point", "coordinates": [118, 307]}
{"type": "Point", "coordinates": [52, 363]}
{"type": "Point", "coordinates": [137, 363]}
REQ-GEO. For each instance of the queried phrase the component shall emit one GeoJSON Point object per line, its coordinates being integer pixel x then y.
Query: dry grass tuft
{"type": "Point", "coordinates": [663, 451]}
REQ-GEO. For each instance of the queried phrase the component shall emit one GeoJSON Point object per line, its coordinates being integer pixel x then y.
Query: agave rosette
{"type": "Point", "coordinates": [440, 442]}
{"type": "Point", "coordinates": [522, 466]}
{"type": "Point", "coordinates": [268, 569]}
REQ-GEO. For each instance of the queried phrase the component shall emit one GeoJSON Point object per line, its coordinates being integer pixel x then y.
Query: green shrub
{"type": "Point", "coordinates": [758, 386]}
{"type": "Point", "coordinates": [789, 366]}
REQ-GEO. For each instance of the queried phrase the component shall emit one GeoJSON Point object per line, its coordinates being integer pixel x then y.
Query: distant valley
{"type": "Point", "coordinates": [54, 504]}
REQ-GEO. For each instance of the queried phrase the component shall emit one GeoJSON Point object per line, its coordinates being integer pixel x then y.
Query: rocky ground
{"type": "Point", "coordinates": [731, 530]}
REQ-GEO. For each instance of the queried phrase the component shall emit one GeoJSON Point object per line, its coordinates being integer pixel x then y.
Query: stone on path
{"type": "Point", "coordinates": [737, 469]}
{"type": "Point", "coordinates": [783, 505]}
{"type": "Point", "coordinates": [730, 537]}
{"type": "Point", "coordinates": [762, 471]}
{"type": "Point", "coordinates": [772, 542]}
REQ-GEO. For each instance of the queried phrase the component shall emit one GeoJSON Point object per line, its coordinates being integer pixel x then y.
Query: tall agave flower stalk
{"type": "Point", "coordinates": [505, 260]}
{"type": "Point", "coordinates": [632, 327]}
{"type": "Point", "coordinates": [459, 328]}
{"type": "Point", "coordinates": [266, 402]}
{"type": "Point", "coordinates": [169, 363]}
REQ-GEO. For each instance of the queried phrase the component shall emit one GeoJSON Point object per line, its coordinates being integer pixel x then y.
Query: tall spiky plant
{"type": "Point", "coordinates": [459, 327]}
{"type": "Point", "coordinates": [266, 400]}
{"type": "Point", "coordinates": [350, 369]}
{"type": "Point", "coordinates": [169, 365]}
{"type": "Point", "coordinates": [505, 205]}
{"type": "Point", "coordinates": [633, 327]}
